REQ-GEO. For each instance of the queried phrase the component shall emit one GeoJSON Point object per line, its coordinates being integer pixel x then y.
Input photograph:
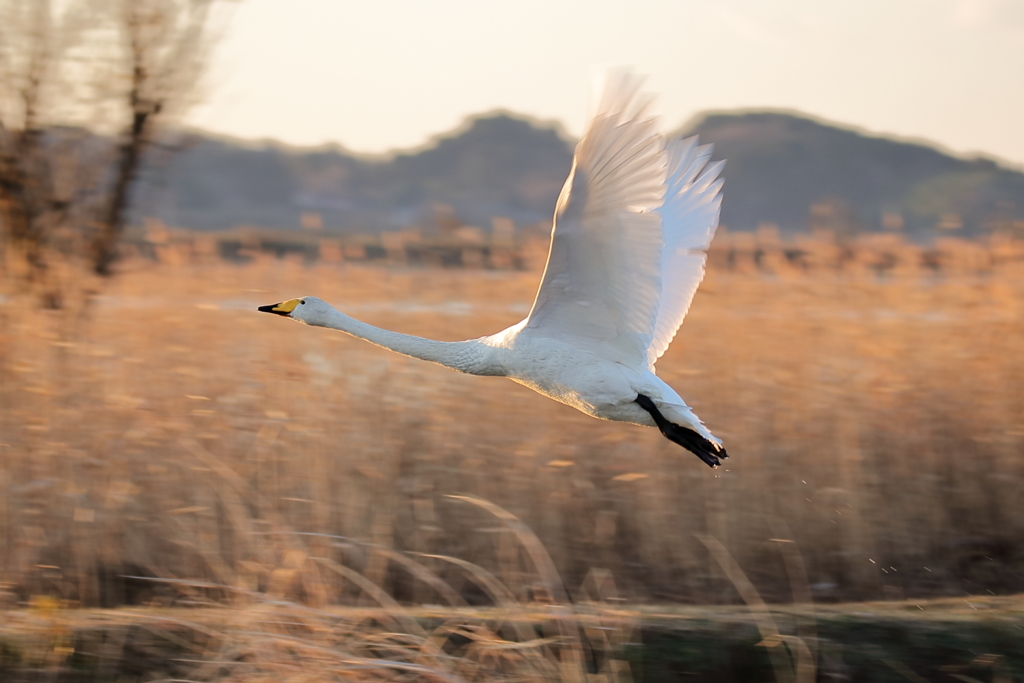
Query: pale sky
{"type": "Point", "coordinates": [378, 75]}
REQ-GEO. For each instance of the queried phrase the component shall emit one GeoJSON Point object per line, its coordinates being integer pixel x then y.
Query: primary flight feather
{"type": "Point", "coordinates": [628, 246]}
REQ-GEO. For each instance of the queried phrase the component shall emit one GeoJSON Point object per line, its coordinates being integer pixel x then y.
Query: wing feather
{"type": "Point", "coordinates": [632, 227]}
{"type": "Point", "coordinates": [689, 216]}
{"type": "Point", "coordinates": [602, 281]}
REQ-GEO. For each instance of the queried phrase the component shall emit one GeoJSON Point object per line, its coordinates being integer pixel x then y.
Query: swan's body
{"type": "Point", "coordinates": [627, 254]}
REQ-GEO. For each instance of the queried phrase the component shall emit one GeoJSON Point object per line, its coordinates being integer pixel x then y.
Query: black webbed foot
{"type": "Point", "coordinates": [687, 438]}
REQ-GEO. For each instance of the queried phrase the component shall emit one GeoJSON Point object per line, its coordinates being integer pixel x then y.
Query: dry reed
{"type": "Point", "coordinates": [872, 403]}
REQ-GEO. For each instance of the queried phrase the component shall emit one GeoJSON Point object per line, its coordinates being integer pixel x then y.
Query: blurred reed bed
{"type": "Point", "coordinates": [869, 392]}
{"type": "Point", "coordinates": [262, 634]}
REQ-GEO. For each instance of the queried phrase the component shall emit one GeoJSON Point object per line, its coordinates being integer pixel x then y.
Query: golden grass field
{"type": "Point", "coordinates": [169, 430]}
{"type": "Point", "coordinates": [870, 395]}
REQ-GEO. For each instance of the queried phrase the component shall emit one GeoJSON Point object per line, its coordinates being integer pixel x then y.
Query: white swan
{"type": "Point", "coordinates": [632, 224]}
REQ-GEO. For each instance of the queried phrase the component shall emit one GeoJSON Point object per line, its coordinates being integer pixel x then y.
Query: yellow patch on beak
{"type": "Point", "coordinates": [286, 306]}
{"type": "Point", "coordinates": [283, 308]}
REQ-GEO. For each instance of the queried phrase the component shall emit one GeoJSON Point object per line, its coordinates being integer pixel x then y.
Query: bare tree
{"type": "Point", "coordinates": [30, 48]}
{"type": "Point", "coordinates": [165, 44]}
{"type": "Point", "coordinates": [66, 69]}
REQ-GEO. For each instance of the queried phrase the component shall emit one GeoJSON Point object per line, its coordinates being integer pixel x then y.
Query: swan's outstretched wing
{"type": "Point", "coordinates": [689, 217]}
{"type": "Point", "coordinates": [602, 282]}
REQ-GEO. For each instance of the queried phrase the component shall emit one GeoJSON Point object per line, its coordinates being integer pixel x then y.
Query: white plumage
{"type": "Point", "coordinates": [632, 225]}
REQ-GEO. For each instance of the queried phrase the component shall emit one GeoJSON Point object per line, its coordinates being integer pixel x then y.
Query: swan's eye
{"type": "Point", "coordinates": [303, 302]}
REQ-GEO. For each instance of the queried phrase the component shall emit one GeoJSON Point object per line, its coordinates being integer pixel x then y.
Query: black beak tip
{"type": "Point", "coordinates": [269, 308]}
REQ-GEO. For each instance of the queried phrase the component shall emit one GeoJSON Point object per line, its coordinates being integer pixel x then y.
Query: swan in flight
{"type": "Point", "coordinates": [628, 243]}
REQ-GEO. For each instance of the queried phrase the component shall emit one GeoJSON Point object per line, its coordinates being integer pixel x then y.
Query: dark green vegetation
{"type": "Point", "coordinates": [782, 169]}
{"type": "Point", "coordinates": [876, 642]}
{"type": "Point", "coordinates": [898, 642]}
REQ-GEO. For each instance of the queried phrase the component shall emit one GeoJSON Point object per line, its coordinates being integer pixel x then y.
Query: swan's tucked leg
{"type": "Point", "coordinates": [687, 438]}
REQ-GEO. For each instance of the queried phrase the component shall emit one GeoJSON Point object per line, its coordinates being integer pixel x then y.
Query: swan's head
{"type": "Point", "coordinates": [306, 309]}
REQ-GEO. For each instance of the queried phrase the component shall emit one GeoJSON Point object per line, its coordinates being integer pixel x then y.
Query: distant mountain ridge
{"type": "Point", "coordinates": [781, 168]}
{"type": "Point", "coordinates": [498, 165]}
{"type": "Point", "coordinates": [780, 164]}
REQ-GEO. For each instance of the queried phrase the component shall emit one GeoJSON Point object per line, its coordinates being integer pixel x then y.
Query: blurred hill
{"type": "Point", "coordinates": [496, 165]}
{"type": "Point", "coordinates": [782, 169]}
{"type": "Point", "coordinates": [797, 172]}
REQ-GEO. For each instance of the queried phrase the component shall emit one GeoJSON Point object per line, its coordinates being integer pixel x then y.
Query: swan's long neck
{"type": "Point", "coordinates": [465, 356]}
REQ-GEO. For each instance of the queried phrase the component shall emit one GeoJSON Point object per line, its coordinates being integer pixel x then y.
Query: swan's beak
{"type": "Point", "coordinates": [284, 308]}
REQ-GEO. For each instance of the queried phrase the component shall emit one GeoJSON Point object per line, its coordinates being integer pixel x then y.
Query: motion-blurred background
{"type": "Point", "coordinates": [168, 165]}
